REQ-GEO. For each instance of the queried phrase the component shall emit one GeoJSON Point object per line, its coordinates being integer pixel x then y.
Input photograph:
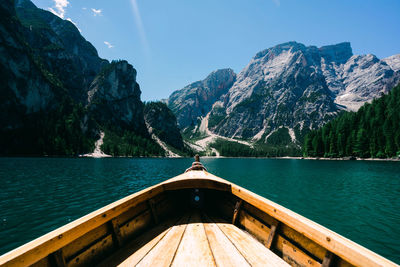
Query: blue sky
{"type": "Point", "coordinates": [173, 43]}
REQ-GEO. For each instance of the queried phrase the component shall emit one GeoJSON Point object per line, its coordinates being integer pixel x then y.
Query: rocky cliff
{"type": "Point", "coordinates": [294, 88]}
{"type": "Point", "coordinates": [195, 100]}
{"type": "Point", "coordinates": [57, 94]}
{"type": "Point", "coordinates": [61, 47]}
{"type": "Point", "coordinates": [114, 98]}
{"type": "Point", "coordinates": [161, 122]}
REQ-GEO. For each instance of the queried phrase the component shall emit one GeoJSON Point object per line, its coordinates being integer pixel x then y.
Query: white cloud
{"type": "Point", "coordinates": [96, 12]}
{"type": "Point", "coordinates": [59, 8]}
{"type": "Point", "coordinates": [108, 44]}
{"type": "Point", "coordinates": [76, 25]}
{"type": "Point", "coordinates": [84, 8]}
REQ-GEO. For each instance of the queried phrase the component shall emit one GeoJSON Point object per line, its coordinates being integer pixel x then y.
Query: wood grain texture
{"type": "Point", "coordinates": [164, 251]}
{"type": "Point", "coordinates": [41, 247]}
{"type": "Point", "coordinates": [294, 256]}
{"type": "Point", "coordinates": [253, 251]}
{"type": "Point", "coordinates": [337, 244]}
{"type": "Point", "coordinates": [136, 249]}
{"type": "Point", "coordinates": [224, 252]}
{"type": "Point", "coordinates": [346, 251]}
{"type": "Point", "coordinates": [194, 249]}
{"type": "Point", "coordinates": [254, 227]}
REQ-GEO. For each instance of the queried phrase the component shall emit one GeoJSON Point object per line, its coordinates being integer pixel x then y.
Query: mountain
{"type": "Point", "coordinates": [372, 131]}
{"type": "Point", "coordinates": [161, 121]}
{"type": "Point", "coordinates": [291, 88]}
{"type": "Point", "coordinates": [58, 96]}
{"type": "Point", "coordinates": [195, 100]}
{"type": "Point", "coordinates": [62, 49]}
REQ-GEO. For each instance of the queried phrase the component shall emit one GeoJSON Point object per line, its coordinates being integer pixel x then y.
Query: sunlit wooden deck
{"type": "Point", "coordinates": [195, 240]}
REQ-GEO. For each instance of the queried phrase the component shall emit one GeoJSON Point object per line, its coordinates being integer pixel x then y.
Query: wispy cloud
{"type": "Point", "coordinates": [76, 25]}
{"type": "Point", "coordinates": [108, 44]}
{"type": "Point", "coordinates": [139, 25]}
{"type": "Point", "coordinates": [277, 2]}
{"type": "Point", "coordinates": [84, 8]}
{"type": "Point", "coordinates": [97, 12]}
{"type": "Point", "coordinates": [59, 8]}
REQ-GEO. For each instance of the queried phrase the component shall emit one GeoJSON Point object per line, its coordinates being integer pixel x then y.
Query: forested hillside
{"type": "Point", "coordinates": [372, 131]}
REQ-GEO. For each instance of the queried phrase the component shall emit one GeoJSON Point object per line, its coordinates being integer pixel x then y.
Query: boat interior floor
{"type": "Point", "coordinates": [194, 239]}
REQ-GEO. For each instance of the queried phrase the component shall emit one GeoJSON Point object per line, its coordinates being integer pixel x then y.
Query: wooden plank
{"type": "Point", "coordinates": [163, 252]}
{"type": "Point", "coordinates": [306, 243]}
{"type": "Point", "coordinates": [116, 233]}
{"type": "Point", "coordinates": [328, 259]}
{"type": "Point", "coordinates": [224, 209]}
{"type": "Point", "coordinates": [345, 249]}
{"type": "Point", "coordinates": [194, 249]}
{"type": "Point", "coordinates": [236, 210]}
{"type": "Point", "coordinates": [294, 255]}
{"type": "Point", "coordinates": [196, 183]}
{"type": "Point", "coordinates": [254, 227]}
{"type": "Point", "coordinates": [151, 204]}
{"type": "Point", "coordinates": [263, 234]}
{"type": "Point", "coordinates": [93, 253]}
{"type": "Point", "coordinates": [167, 208]}
{"type": "Point", "coordinates": [264, 217]}
{"type": "Point", "coordinates": [134, 251]}
{"type": "Point", "coordinates": [135, 226]}
{"type": "Point", "coordinates": [340, 246]}
{"type": "Point", "coordinates": [224, 252]}
{"type": "Point", "coordinates": [77, 245]}
{"type": "Point", "coordinates": [271, 235]}
{"type": "Point", "coordinates": [253, 251]}
{"type": "Point", "coordinates": [131, 213]}
{"type": "Point", "coordinates": [45, 262]}
{"type": "Point", "coordinates": [47, 244]}
{"type": "Point", "coordinates": [59, 258]}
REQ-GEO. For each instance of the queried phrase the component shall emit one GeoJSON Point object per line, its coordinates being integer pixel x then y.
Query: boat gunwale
{"type": "Point", "coordinates": [43, 246]}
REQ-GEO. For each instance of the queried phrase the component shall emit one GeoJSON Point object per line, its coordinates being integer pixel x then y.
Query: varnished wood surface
{"type": "Point", "coordinates": [197, 240]}
{"type": "Point", "coordinates": [297, 238]}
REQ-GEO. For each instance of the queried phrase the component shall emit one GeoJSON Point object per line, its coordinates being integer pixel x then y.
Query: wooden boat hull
{"type": "Point", "coordinates": [98, 236]}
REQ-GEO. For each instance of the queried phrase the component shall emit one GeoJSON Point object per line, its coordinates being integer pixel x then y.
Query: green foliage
{"type": "Point", "coordinates": [217, 115]}
{"type": "Point", "coordinates": [373, 131]}
{"type": "Point", "coordinates": [127, 143]}
{"type": "Point", "coordinates": [280, 137]}
{"type": "Point", "coordinates": [236, 149]}
{"type": "Point", "coordinates": [58, 132]}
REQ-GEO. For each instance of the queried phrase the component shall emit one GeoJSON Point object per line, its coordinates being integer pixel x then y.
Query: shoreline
{"type": "Point", "coordinates": [205, 157]}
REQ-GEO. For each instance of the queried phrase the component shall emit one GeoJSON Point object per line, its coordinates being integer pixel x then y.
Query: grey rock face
{"type": "Point", "coordinates": [114, 97]}
{"type": "Point", "coordinates": [196, 99]}
{"type": "Point", "coordinates": [281, 86]}
{"type": "Point", "coordinates": [360, 79]}
{"type": "Point", "coordinates": [24, 87]}
{"type": "Point", "coordinates": [162, 122]}
{"type": "Point", "coordinates": [63, 50]}
{"type": "Point", "coordinates": [393, 62]}
{"type": "Point", "coordinates": [297, 87]}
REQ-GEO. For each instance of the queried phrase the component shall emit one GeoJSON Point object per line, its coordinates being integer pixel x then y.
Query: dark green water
{"type": "Point", "coordinates": [359, 200]}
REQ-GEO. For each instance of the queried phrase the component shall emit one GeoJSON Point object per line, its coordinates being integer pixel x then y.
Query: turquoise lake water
{"type": "Point", "coordinates": [357, 199]}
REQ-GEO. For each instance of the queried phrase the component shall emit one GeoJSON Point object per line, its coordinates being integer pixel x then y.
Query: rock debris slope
{"type": "Point", "coordinates": [294, 88]}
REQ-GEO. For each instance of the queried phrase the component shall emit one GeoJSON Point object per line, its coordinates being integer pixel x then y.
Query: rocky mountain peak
{"type": "Point", "coordinates": [338, 53]}
{"type": "Point", "coordinates": [195, 100]}
{"type": "Point", "coordinates": [393, 62]}
{"type": "Point", "coordinates": [297, 87]}
{"type": "Point", "coordinates": [280, 48]}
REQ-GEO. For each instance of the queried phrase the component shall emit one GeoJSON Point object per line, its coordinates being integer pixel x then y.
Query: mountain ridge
{"type": "Point", "coordinates": [296, 87]}
{"type": "Point", "coordinates": [60, 96]}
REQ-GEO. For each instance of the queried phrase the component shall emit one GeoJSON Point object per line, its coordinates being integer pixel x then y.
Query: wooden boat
{"type": "Point", "coordinates": [194, 219]}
